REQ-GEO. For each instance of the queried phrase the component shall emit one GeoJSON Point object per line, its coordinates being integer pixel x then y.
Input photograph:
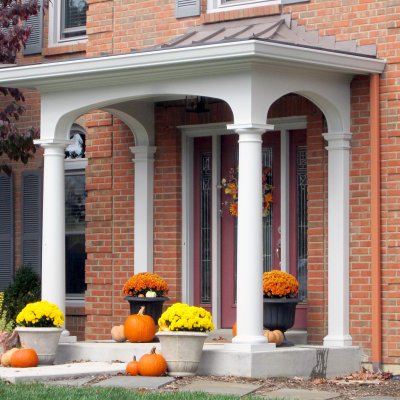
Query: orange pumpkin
{"type": "Point", "coordinates": [132, 368]}
{"type": "Point", "coordinates": [234, 330]}
{"type": "Point", "coordinates": [139, 327]}
{"type": "Point", "coordinates": [275, 336]}
{"type": "Point", "coordinates": [152, 364]}
{"type": "Point", "coordinates": [24, 358]}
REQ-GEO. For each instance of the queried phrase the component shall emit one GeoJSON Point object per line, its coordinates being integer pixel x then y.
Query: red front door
{"type": "Point", "coordinates": [271, 223]}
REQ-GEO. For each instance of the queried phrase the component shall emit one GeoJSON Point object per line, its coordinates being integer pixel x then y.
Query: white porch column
{"type": "Point", "coordinates": [144, 184]}
{"type": "Point", "coordinates": [249, 237]}
{"type": "Point", "coordinates": [338, 239]}
{"type": "Point", "coordinates": [53, 246]}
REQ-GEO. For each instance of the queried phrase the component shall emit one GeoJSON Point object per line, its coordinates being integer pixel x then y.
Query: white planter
{"type": "Point", "coordinates": [182, 351]}
{"type": "Point", "coordinates": [43, 340]}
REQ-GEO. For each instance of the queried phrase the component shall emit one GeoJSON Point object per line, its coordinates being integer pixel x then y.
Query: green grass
{"type": "Point", "coordinates": [37, 391]}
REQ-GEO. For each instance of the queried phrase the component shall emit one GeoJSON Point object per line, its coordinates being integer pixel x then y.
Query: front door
{"type": "Point", "coordinates": [203, 230]}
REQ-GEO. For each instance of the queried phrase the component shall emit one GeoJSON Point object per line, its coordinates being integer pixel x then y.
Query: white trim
{"type": "Point", "coordinates": [285, 204]}
{"type": "Point", "coordinates": [75, 163]}
{"type": "Point", "coordinates": [216, 272]}
{"type": "Point", "coordinates": [187, 220]}
{"type": "Point", "coordinates": [166, 64]}
{"type": "Point", "coordinates": [214, 6]}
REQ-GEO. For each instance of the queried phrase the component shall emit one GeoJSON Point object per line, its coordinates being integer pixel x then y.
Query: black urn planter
{"type": "Point", "coordinates": [279, 314]}
{"type": "Point", "coordinates": [153, 305]}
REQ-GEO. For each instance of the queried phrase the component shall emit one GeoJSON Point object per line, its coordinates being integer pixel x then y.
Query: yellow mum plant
{"type": "Point", "coordinates": [279, 284]}
{"type": "Point", "coordinates": [41, 314]}
{"type": "Point", "coordinates": [144, 282]}
{"type": "Point", "coordinates": [182, 317]}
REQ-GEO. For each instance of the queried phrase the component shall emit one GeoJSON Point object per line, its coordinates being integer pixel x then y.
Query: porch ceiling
{"type": "Point", "coordinates": [203, 51]}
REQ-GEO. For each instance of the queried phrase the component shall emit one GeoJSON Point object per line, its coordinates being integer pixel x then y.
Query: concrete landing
{"type": "Point", "coordinates": [302, 361]}
{"type": "Point", "coordinates": [135, 382]}
{"type": "Point", "coordinates": [52, 372]}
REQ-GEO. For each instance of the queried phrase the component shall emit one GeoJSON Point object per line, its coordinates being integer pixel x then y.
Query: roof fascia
{"type": "Point", "coordinates": [173, 62]}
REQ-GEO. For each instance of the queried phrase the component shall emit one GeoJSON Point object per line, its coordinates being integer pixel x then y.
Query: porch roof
{"type": "Point", "coordinates": [204, 50]}
{"type": "Point", "coordinates": [275, 28]}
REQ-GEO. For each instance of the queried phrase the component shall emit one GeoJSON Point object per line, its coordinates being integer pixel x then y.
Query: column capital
{"type": "Point", "coordinates": [62, 143]}
{"type": "Point", "coordinates": [338, 140]}
{"type": "Point", "coordinates": [142, 153]}
{"type": "Point", "coordinates": [250, 128]}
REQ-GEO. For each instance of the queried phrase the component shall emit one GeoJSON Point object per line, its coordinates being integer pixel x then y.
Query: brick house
{"type": "Point", "coordinates": [189, 90]}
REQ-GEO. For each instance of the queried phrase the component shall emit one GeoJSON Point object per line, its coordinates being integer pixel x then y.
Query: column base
{"type": "Point", "coordinates": [66, 338]}
{"type": "Point", "coordinates": [338, 341]}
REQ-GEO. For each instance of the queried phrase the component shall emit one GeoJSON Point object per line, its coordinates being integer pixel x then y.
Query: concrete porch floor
{"type": "Point", "coordinates": [300, 360]}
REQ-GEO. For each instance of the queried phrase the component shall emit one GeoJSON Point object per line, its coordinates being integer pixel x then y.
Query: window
{"type": "Point", "coordinates": [228, 5]}
{"type": "Point", "coordinates": [67, 21]}
{"type": "Point", "coordinates": [73, 18]}
{"type": "Point", "coordinates": [75, 196]}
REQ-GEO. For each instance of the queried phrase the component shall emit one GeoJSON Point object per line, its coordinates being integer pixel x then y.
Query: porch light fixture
{"type": "Point", "coordinates": [196, 104]}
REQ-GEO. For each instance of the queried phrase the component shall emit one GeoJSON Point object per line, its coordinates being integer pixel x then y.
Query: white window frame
{"type": "Point", "coordinates": [224, 5]}
{"type": "Point", "coordinates": [55, 27]}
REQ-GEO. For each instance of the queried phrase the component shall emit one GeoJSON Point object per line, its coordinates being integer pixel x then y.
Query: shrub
{"type": "Point", "coordinates": [25, 289]}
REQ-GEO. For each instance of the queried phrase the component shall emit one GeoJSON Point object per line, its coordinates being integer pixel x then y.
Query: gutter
{"type": "Point", "coordinates": [376, 278]}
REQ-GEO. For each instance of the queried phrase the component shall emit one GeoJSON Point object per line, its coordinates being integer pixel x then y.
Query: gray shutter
{"type": "Point", "coordinates": [34, 43]}
{"type": "Point", "coordinates": [32, 220]}
{"type": "Point", "coordinates": [187, 8]}
{"type": "Point", "coordinates": [6, 231]}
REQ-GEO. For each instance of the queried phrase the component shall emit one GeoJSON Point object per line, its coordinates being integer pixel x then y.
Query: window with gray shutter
{"type": "Point", "coordinates": [32, 220]}
{"type": "Point", "coordinates": [187, 8]}
{"type": "Point", "coordinates": [34, 44]}
{"type": "Point", "coordinates": [6, 231]}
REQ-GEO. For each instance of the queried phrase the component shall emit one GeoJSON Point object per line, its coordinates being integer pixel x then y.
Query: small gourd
{"type": "Point", "coordinates": [151, 293]}
{"type": "Point", "coordinates": [140, 328]}
{"type": "Point", "coordinates": [24, 358]}
{"type": "Point", "coordinates": [6, 357]}
{"type": "Point", "coordinates": [234, 329]}
{"type": "Point", "coordinates": [132, 368]}
{"type": "Point", "coordinates": [152, 364]}
{"type": "Point", "coordinates": [118, 333]}
{"type": "Point", "coordinates": [275, 336]}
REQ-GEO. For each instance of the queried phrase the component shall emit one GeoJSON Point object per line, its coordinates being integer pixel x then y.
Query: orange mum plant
{"type": "Point", "coordinates": [279, 284]}
{"type": "Point", "coordinates": [143, 283]}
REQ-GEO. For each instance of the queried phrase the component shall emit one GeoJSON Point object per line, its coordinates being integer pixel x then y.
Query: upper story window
{"type": "Point", "coordinates": [73, 18]}
{"type": "Point", "coordinates": [67, 22]}
{"type": "Point", "coordinates": [227, 5]}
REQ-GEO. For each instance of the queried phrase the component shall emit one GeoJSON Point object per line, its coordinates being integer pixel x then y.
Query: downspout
{"type": "Point", "coordinates": [376, 306]}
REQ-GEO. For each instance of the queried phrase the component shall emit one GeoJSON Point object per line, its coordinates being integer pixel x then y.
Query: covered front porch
{"type": "Point", "coordinates": [249, 75]}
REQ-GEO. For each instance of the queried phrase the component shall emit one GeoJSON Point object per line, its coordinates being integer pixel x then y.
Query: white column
{"type": "Point", "coordinates": [338, 239]}
{"type": "Point", "coordinates": [53, 245]}
{"type": "Point", "coordinates": [285, 195]}
{"type": "Point", "coordinates": [249, 238]}
{"type": "Point", "coordinates": [144, 184]}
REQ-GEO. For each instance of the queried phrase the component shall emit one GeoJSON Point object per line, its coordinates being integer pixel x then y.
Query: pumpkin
{"type": "Point", "coordinates": [132, 368]}
{"type": "Point", "coordinates": [139, 327]}
{"type": "Point", "coordinates": [234, 330]}
{"type": "Point", "coordinates": [152, 364]}
{"type": "Point", "coordinates": [6, 357]}
{"type": "Point", "coordinates": [275, 336]}
{"type": "Point", "coordinates": [24, 358]}
{"type": "Point", "coordinates": [118, 333]}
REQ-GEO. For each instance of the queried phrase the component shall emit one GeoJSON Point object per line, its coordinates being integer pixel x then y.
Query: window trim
{"type": "Point", "coordinates": [56, 27]}
{"type": "Point", "coordinates": [214, 6]}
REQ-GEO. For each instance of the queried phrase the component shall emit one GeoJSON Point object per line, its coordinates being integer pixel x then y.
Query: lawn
{"type": "Point", "coordinates": [40, 392]}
